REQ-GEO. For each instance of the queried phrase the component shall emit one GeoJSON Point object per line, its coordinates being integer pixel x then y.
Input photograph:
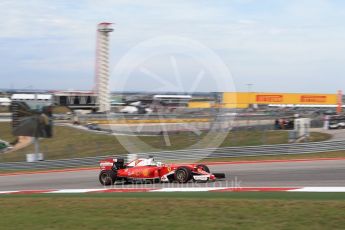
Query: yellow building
{"type": "Point", "coordinates": [242, 100]}
{"type": "Point", "coordinates": [199, 104]}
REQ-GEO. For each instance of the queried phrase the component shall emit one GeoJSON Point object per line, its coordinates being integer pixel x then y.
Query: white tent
{"type": "Point", "coordinates": [46, 97]}
{"type": "Point", "coordinates": [4, 101]}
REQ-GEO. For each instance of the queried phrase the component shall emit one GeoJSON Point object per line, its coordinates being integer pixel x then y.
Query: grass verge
{"type": "Point", "coordinates": [174, 211]}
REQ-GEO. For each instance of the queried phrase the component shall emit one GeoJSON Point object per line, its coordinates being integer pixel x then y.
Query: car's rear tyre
{"type": "Point", "coordinates": [183, 175]}
{"type": "Point", "coordinates": [107, 177]}
{"type": "Point", "coordinates": [204, 168]}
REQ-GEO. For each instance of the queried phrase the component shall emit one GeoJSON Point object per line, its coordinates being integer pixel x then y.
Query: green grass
{"type": "Point", "coordinates": [71, 143]}
{"type": "Point", "coordinates": [61, 109]}
{"type": "Point", "coordinates": [174, 211]}
{"type": "Point", "coordinates": [4, 109]}
{"type": "Point", "coordinates": [6, 132]}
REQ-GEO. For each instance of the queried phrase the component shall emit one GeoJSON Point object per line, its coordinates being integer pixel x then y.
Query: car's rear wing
{"type": "Point", "coordinates": [112, 164]}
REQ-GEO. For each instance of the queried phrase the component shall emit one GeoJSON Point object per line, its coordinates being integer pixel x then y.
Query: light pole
{"type": "Point", "coordinates": [36, 140]}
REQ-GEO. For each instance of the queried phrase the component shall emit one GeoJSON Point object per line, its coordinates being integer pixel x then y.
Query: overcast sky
{"type": "Point", "coordinates": [276, 45]}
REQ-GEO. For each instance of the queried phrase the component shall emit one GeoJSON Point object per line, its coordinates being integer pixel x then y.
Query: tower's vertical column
{"type": "Point", "coordinates": [102, 67]}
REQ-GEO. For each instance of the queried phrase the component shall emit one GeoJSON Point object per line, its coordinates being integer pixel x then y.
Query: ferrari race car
{"type": "Point", "coordinates": [148, 170]}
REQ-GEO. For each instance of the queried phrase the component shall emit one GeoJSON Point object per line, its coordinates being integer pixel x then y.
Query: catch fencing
{"type": "Point", "coordinates": [189, 155]}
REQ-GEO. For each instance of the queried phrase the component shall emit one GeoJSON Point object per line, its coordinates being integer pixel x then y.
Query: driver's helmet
{"type": "Point", "coordinates": [147, 162]}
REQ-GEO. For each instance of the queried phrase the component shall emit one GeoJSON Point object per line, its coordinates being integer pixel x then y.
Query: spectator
{"type": "Point", "coordinates": [276, 125]}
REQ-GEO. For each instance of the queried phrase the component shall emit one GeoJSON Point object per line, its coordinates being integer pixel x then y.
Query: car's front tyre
{"type": "Point", "coordinates": [183, 175]}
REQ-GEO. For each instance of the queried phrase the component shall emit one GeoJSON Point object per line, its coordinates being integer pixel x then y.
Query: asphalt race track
{"type": "Point", "coordinates": [292, 174]}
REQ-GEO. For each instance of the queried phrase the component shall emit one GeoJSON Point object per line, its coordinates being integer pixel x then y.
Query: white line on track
{"type": "Point", "coordinates": [319, 189]}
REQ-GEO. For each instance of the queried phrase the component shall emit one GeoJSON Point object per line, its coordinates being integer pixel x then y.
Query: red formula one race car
{"type": "Point", "coordinates": [148, 170]}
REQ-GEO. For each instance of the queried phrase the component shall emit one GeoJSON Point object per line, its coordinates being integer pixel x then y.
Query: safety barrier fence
{"type": "Point", "coordinates": [189, 155]}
